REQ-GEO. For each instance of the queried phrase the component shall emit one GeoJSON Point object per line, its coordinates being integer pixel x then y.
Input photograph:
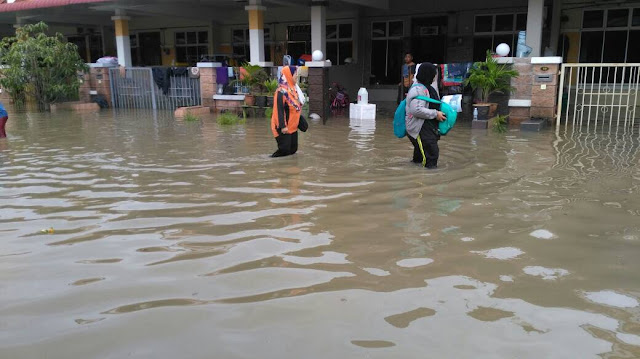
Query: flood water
{"type": "Point", "coordinates": [129, 235]}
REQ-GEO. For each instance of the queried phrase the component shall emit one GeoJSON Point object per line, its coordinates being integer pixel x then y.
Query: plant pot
{"type": "Point", "coordinates": [269, 101]}
{"type": "Point", "coordinates": [249, 100]}
{"type": "Point", "coordinates": [493, 110]}
{"type": "Point", "coordinates": [261, 101]}
{"type": "Point", "coordinates": [483, 111]}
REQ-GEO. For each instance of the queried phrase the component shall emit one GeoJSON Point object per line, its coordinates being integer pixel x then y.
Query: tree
{"type": "Point", "coordinates": [40, 66]}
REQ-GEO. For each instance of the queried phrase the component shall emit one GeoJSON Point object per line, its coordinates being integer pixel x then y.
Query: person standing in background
{"type": "Point", "coordinates": [287, 109]}
{"type": "Point", "coordinates": [408, 73]}
{"type": "Point", "coordinates": [4, 117]}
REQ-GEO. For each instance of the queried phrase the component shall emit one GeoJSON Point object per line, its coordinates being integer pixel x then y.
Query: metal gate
{"type": "Point", "coordinates": [134, 87]}
{"type": "Point", "coordinates": [599, 96]}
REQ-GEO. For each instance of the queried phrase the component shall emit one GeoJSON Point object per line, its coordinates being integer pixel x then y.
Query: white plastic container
{"type": "Point", "coordinates": [363, 96]}
{"type": "Point", "coordinates": [362, 112]}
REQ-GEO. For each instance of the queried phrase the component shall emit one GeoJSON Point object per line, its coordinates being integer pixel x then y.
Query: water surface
{"type": "Point", "coordinates": [134, 235]}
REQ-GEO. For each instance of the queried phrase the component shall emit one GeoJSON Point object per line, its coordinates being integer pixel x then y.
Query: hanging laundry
{"type": "Point", "coordinates": [454, 74]}
{"type": "Point", "coordinates": [222, 75]}
{"type": "Point", "coordinates": [179, 71]}
{"type": "Point", "coordinates": [161, 78]}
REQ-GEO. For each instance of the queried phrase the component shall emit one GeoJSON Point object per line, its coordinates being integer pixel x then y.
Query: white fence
{"type": "Point", "coordinates": [599, 96]}
{"type": "Point", "coordinates": [135, 87]}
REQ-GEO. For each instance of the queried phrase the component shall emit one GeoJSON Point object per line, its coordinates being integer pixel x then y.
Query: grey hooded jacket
{"type": "Point", "coordinates": [417, 110]}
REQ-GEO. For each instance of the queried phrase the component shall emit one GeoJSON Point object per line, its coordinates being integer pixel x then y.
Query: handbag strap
{"type": "Point", "coordinates": [428, 99]}
{"type": "Point", "coordinates": [424, 98]}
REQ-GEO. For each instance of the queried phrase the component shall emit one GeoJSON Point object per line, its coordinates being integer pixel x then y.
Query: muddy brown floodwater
{"type": "Point", "coordinates": [133, 235]}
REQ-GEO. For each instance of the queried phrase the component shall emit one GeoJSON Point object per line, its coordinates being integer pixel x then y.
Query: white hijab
{"type": "Point", "coordinates": [415, 78]}
{"type": "Point", "coordinates": [301, 96]}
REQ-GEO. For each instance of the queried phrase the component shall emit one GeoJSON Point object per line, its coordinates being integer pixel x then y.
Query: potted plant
{"type": "Point", "coordinates": [270, 87]}
{"type": "Point", "coordinates": [252, 76]}
{"type": "Point", "coordinates": [489, 77]}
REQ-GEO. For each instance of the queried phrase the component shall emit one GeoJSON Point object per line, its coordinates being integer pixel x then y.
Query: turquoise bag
{"type": "Point", "coordinates": [400, 126]}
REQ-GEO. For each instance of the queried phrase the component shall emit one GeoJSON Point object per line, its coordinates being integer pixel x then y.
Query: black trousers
{"type": "Point", "coordinates": [287, 145]}
{"type": "Point", "coordinates": [425, 147]}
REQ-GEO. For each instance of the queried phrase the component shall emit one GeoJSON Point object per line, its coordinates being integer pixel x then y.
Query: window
{"type": "Point", "coordinates": [618, 18]}
{"type": "Point", "coordinates": [610, 36]}
{"type": "Point", "coordinates": [386, 52]}
{"type": "Point", "coordinates": [241, 43]}
{"type": "Point", "coordinates": [191, 46]}
{"type": "Point", "coordinates": [493, 30]}
{"type": "Point", "coordinates": [298, 40]}
{"type": "Point", "coordinates": [592, 19]}
{"type": "Point", "coordinates": [635, 20]}
{"type": "Point", "coordinates": [339, 43]}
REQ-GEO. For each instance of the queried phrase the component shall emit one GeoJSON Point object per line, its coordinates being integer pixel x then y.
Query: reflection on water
{"type": "Point", "coordinates": [131, 234]}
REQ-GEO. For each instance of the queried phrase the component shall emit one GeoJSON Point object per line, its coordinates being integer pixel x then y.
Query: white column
{"type": "Point", "coordinates": [123, 44]}
{"type": "Point", "coordinates": [256, 33]}
{"type": "Point", "coordinates": [319, 26]}
{"type": "Point", "coordinates": [535, 20]}
{"type": "Point", "coordinates": [555, 26]}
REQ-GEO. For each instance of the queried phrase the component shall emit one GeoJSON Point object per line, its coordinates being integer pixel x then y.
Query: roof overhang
{"type": "Point", "coordinates": [41, 4]}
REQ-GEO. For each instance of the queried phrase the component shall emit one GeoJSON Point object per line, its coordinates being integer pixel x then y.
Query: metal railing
{"type": "Point", "coordinates": [599, 96]}
{"type": "Point", "coordinates": [135, 87]}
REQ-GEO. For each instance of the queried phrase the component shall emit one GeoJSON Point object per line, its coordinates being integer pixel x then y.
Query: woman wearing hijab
{"type": "Point", "coordinates": [287, 108]}
{"type": "Point", "coordinates": [422, 117]}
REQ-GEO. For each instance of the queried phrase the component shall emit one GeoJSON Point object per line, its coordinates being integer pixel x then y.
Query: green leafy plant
{"type": "Point", "coordinates": [499, 124]}
{"type": "Point", "coordinates": [254, 77]}
{"type": "Point", "coordinates": [268, 112]}
{"type": "Point", "coordinates": [270, 86]}
{"type": "Point", "coordinates": [490, 77]}
{"type": "Point", "coordinates": [39, 66]}
{"type": "Point", "coordinates": [228, 119]}
{"type": "Point", "coordinates": [189, 117]}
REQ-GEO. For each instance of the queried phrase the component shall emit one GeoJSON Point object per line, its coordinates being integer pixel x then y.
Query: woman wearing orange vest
{"type": "Point", "coordinates": [287, 108]}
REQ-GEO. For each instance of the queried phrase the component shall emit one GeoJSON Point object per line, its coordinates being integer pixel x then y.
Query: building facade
{"type": "Point", "coordinates": [365, 40]}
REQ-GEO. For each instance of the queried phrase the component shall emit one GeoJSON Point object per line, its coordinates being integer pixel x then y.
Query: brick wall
{"type": "Point", "coordinates": [522, 91]}
{"type": "Point", "coordinates": [228, 106]}
{"type": "Point", "coordinates": [84, 93]}
{"type": "Point", "coordinates": [319, 91]}
{"type": "Point", "coordinates": [208, 86]}
{"type": "Point", "coordinates": [544, 95]}
{"type": "Point", "coordinates": [100, 82]}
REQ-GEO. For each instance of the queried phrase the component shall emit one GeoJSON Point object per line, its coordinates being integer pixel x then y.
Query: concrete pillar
{"type": "Point", "coordinates": [256, 33]}
{"type": "Point", "coordinates": [535, 18]}
{"type": "Point", "coordinates": [100, 82]}
{"type": "Point", "coordinates": [318, 88]}
{"type": "Point", "coordinates": [319, 26]}
{"type": "Point", "coordinates": [208, 82]}
{"type": "Point", "coordinates": [555, 26]}
{"type": "Point", "coordinates": [123, 44]}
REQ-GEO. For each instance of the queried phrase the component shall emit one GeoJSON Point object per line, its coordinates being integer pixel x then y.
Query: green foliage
{"type": "Point", "coordinates": [189, 117]}
{"type": "Point", "coordinates": [270, 86]}
{"type": "Point", "coordinates": [499, 124]}
{"type": "Point", "coordinates": [40, 66]}
{"type": "Point", "coordinates": [228, 119]}
{"type": "Point", "coordinates": [490, 77]}
{"type": "Point", "coordinates": [254, 77]}
{"type": "Point", "coordinates": [268, 112]}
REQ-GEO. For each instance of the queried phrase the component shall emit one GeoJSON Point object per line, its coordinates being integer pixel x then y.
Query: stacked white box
{"type": "Point", "coordinates": [362, 112]}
